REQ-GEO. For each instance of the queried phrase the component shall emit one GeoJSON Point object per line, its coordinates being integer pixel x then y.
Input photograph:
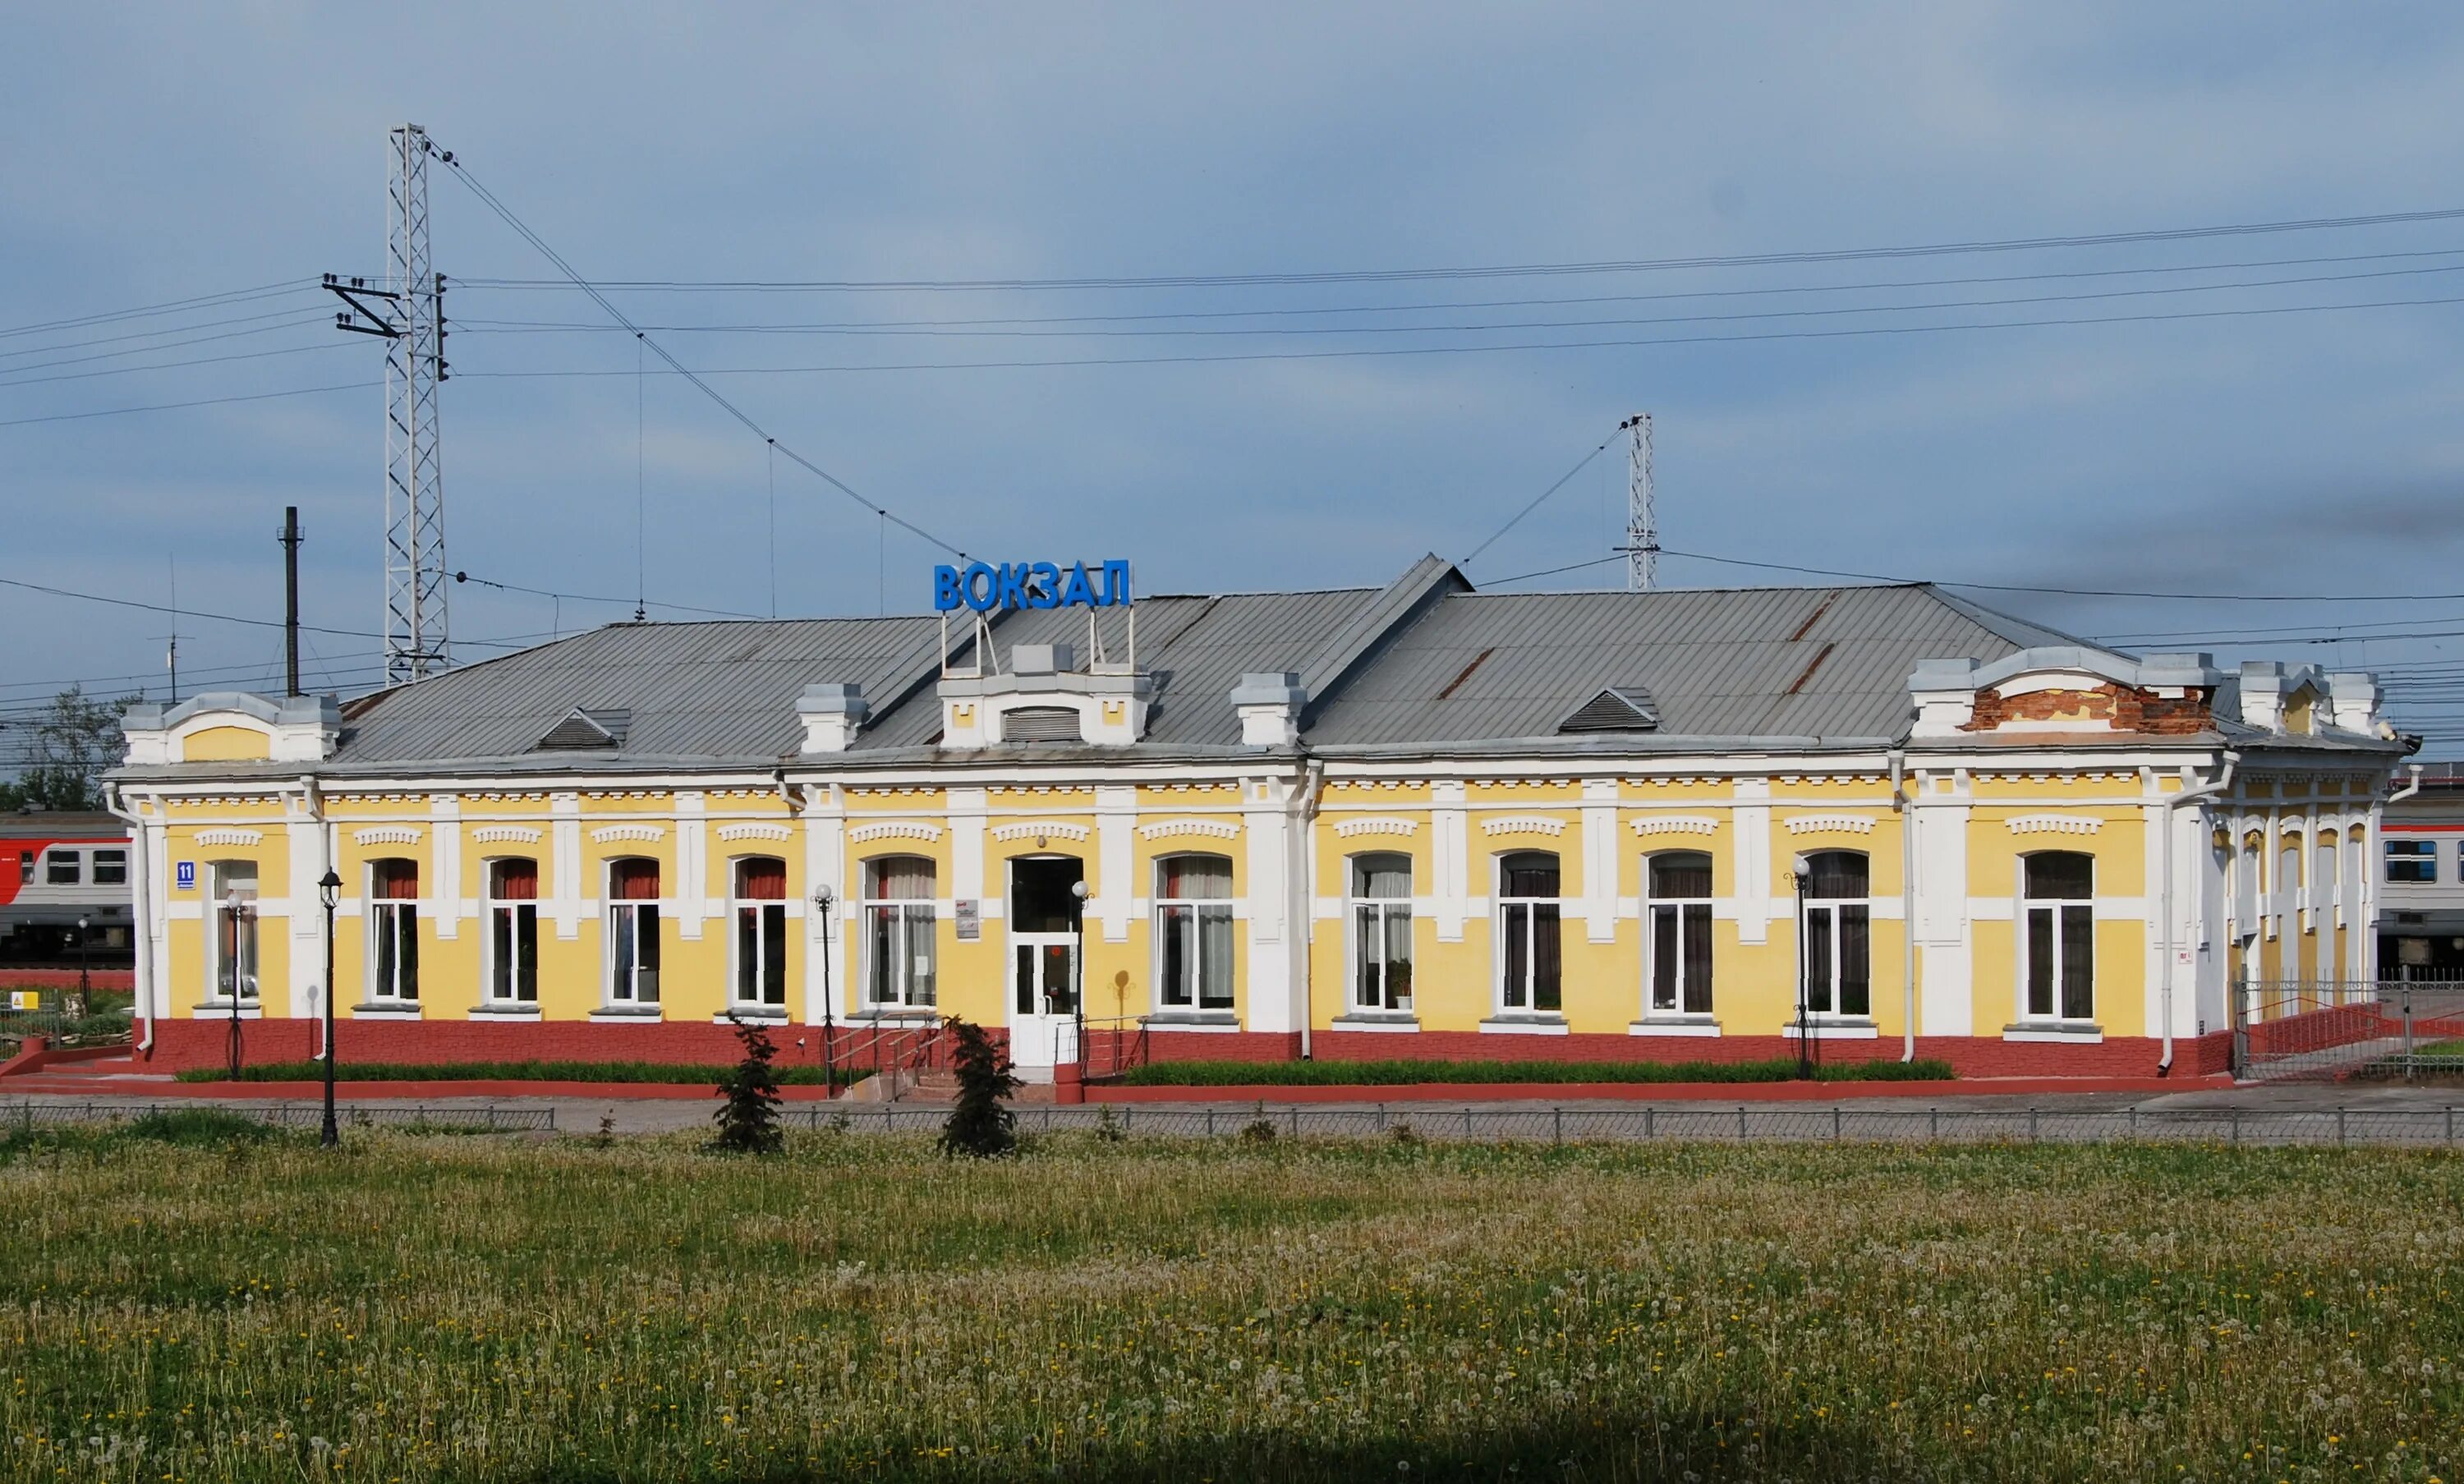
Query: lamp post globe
{"type": "Point", "coordinates": [1802, 868]}
{"type": "Point", "coordinates": [329, 893]}
{"type": "Point", "coordinates": [85, 957]}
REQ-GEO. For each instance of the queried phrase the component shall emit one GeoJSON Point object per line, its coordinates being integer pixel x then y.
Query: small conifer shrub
{"type": "Point", "coordinates": [978, 1127]}
{"type": "Point", "coordinates": [748, 1113]}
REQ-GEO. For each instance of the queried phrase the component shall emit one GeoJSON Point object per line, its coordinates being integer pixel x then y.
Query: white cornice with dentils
{"type": "Point", "coordinates": [1675, 824]}
{"type": "Point", "coordinates": [1218, 829]}
{"type": "Point", "coordinates": [1039, 828]}
{"type": "Point", "coordinates": [1376, 825]}
{"type": "Point", "coordinates": [887, 829]}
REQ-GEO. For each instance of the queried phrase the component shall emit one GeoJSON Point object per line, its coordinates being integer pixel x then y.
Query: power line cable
{"type": "Point", "coordinates": [1367, 351]}
{"type": "Point", "coordinates": [622, 602]}
{"type": "Point", "coordinates": [149, 334]}
{"type": "Point", "coordinates": [2074, 592]}
{"type": "Point", "coordinates": [1534, 503]}
{"type": "Point", "coordinates": [172, 365]}
{"type": "Point", "coordinates": [504, 213]}
{"type": "Point", "coordinates": [1546, 270]}
{"type": "Point", "coordinates": [173, 306]}
{"type": "Point", "coordinates": [1936, 282]}
{"type": "Point", "coordinates": [940, 331]}
{"type": "Point", "coordinates": [201, 402]}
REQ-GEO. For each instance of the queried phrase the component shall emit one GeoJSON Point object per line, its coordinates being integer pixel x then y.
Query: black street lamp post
{"type": "Point", "coordinates": [85, 977]}
{"type": "Point", "coordinates": [329, 891]}
{"type": "Point", "coordinates": [823, 897]}
{"type": "Point", "coordinates": [1803, 867]}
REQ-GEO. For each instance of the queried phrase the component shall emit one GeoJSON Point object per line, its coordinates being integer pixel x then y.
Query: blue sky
{"type": "Point", "coordinates": [164, 152]}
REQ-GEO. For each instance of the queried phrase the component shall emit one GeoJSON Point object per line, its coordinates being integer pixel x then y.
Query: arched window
{"type": "Point", "coordinates": [1382, 932]}
{"type": "Point", "coordinates": [2288, 881]}
{"type": "Point", "coordinates": [393, 930]}
{"type": "Point", "coordinates": [1527, 929]}
{"type": "Point", "coordinates": [898, 932]}
{"type": "Point", "coordinates": [1676, 939]}
{"type": "Point", "coordinates": [2323, 882]}
{"type": "Point", "coordinates": [760, 884]}
{"type": "Point", "coordinates": [1837, 975]}
{"type": "Point", "coordinates": [633, 931]}
{"type": "Point", "coordinates": [1193, 918]}
{"type": "Point", "coordinates": [513, 931]}
{"type": "Point", "coordinates": [232, 973]}
{"type": "Point", "coordinates": [2058, 940]}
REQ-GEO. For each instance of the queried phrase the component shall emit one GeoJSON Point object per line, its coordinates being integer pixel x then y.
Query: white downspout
{"type": "Point", "coordinates": [2165, 930]}
{"type": "Point", "coordinates": [1303, 890]}
{"type": "Point", "coordinates": [2374, 851]}
{"type": "Point", "coordinates": [142, 918]}
{"type": "Point", "coordinates": [2410, 789]}
{"type": "Point", "coordinates": [1907, 904]}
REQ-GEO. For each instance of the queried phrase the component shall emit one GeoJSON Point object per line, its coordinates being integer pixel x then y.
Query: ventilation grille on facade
{"type": "Point", "coordinates": [1040, 724]}
{"type": "Point", "coordinates": [1616, 709]}
{"type": "Point", "coordinates": [585, 730]}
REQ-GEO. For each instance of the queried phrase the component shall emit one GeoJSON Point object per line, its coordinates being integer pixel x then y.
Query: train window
{"type": "Point", "coordinates": [25, 866]}
{"type": "Point", "coordinates": [111, 867]}
{"type": "Point", "coordinates": [62, 868]}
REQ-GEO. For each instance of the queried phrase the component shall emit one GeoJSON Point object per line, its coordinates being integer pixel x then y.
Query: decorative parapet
{"type": "Point", "coordinates": [2054, 823]}
{"type": "Point", "coordinates": [883, 829]}
{"type": "Point", "coordinates": [1039, 829]}
{"type": "Point", "coordinates": [387, 835]}
{"type": "Point", "coordinates": [1523, 824]}
{"type": "Point", "coordinates": [1219, 829]}
{"type": "Point", "coordinates": [644, 833]}
{"type": "Point", "coordinates": [505, 834]}
{"type": "Point", "coordinates": [1848, 823]}
{"type": "Point", "coordinates": [1376, 825]}
{"type": "Point", "coordinates": [1677, 824]}
{"type": "Point", "coordinates": [762, 829]}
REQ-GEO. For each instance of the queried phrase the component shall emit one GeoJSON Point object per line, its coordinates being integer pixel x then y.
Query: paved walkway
{"type": "Point", "coordinates": [2254, 1113]}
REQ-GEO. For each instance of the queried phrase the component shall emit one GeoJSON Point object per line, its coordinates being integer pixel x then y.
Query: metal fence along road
{"type": "Point", "coordinates": [2325, 1032]}
{"type": "Point", "coordinates": [2434, 1128]}
{"type": "Point", "coordinates": [2419, 1127]}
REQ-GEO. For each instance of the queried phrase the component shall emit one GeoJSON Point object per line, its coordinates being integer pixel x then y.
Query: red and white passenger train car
{"type": "Point", "coordinates": [57, 870]}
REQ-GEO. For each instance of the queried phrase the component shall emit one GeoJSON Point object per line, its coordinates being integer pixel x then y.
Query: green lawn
{"type": "Point", "coordinates": [466, 1308]}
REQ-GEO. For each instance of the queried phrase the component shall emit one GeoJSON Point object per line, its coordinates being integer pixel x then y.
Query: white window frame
{"type": "Point", "coordinates": [1383, 912]}
{"type": "Point", "coordinates": [117, 859]}
{"type": "Point", "coordinates": [624, 915]}
{"type": "Point", "coordinates": [2053, 907]}
{"type": "Point", "coordinates": [218, 875]}
{"type": "Point", "coordinates": [519, 910]}
{"type": "Point", "coordinates": [1834, 981]}
{"type": "Point", "coordinates": [1499, 914]}
{"type": "Point", "coordinates": [395, 917]}
{"type": "Point", "coordinates": [1651, 907]}
{"type": "Point", "coordinates": [1180, 917]}
{"type": "Point", "coordinates": [737, 905]}
{"type": "Point", "coordinates": [915, 917]}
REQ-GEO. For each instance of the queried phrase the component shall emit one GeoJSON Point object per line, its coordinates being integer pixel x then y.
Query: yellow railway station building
{"type": "Point", "coordinates": [1411, 821]}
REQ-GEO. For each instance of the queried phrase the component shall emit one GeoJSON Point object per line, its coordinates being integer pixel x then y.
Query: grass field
{"type": "Point", "coordinates": [182, 1307]}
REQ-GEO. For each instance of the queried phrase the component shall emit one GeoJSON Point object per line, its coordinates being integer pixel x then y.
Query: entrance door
{"type": "Point", "coordinates": [1045, 899]}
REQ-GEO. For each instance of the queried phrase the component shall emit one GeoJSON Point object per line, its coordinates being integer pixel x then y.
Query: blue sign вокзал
{"type": "Point", "coordinates": [1030, 585]}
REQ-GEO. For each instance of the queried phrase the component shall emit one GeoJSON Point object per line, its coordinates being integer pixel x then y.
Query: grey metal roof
{"type": "Point", "coordinates": [1420, 662]}
{"type": "Point", "coordinates": [1737, 662]}
{"type": "Point", "coordinates": [719, 691]}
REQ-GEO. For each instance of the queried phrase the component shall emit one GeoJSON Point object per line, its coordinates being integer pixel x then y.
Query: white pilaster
{"type": "Point", "coordinates": [693, 862]}
{"type": "Point", "coordinates": [565, 863]}
{"type": "Point", "coordinates": [1600, 857]}
{"type": "Point", "coordinates": [1450, 858]}
{"type": "Point", "coordinates": [1946, 1000]}
{"type": "Point", "coordinates": [306, 838]}
{"type": "Point", "coordinates": [825, 865]}
{"type": "Point", "coordinates": [968, 807]}
{"type": "Point", "coordinates": [444, 891]}
{"type": "Point", "coordinates": [1266, 826]}
{"type": "Point", "coordinates": [1750, 823]}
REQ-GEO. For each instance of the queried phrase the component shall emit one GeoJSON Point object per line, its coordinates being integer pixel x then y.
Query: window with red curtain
{"type": "Point", "coordinates": [761, 931]}
{"type": "Point", "coordinates": [633, 880]}
{"type": "Point", "coordinates": [393, 911]}
{"type": "Point", "coordinates": [513, 931]}
{"type": "Point", "coordinates": [394, 879]}
{"type": "Point", "coordinates": [633, 932]}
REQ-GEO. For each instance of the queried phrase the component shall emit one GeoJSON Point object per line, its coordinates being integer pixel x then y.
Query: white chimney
{"type": "Point", "coordinates": [832, 715]}
{"type": "Point", "coordinates": [1270, 702]}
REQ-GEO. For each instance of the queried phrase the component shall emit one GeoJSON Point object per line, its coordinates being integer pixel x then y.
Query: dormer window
{"type": "Point", "coordinates": [586, 730]}
{"type": "Point", "coordinates": [1616, 708]}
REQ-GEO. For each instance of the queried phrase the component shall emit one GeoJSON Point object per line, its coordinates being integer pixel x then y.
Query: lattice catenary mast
{"type": "Point", "coordinates": [1641, 522]}
{"type": "Point", "coordinates": [409, 313]}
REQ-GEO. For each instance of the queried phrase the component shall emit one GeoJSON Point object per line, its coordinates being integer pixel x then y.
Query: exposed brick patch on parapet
{"type": "Point", "coordinates": [2122, 707]}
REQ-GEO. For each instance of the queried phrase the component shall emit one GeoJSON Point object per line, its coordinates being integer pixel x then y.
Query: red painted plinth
{"type": "Point", "coordinates": [1650, 1092]}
